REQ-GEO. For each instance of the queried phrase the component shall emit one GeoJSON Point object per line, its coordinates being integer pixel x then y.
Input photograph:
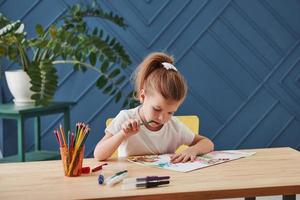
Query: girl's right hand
{"type": "Point", "coordinates": [130, 127]}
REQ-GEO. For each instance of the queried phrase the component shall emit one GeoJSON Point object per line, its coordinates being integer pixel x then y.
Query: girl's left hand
{"type": "Point", "coordinates": [187, 155]}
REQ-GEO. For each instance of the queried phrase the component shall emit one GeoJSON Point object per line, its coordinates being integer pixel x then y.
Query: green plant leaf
{"type": "Point", "coordinates": [76, 9]}
{"type": "Point", "coordinates": [39, 30]}
{"type": "Point", "coordinates": [118, 96]}
{"type": "Point", "coordinates": [2, 51]}
{"type": "Point", "coordinates": [114, 73]}
{"type": "Point", "coordinates": [125, 104]}
{"type": "Point", "coordinates": [120, 80]}
{"type": "Point", "coordinates": [78, 54]}
{"type": "Point", "coordinates": [76, 67]}
{"type": "Point", "coordinates": [53, 31]}
{"type": "Point", "coordinates": [112, 42]}
{"type": "Point", "coordinates": [44, 81]}
{"type": "Point", "coordinates": [95, 31]}
{"type": "Point", "coordinates": [113, 92]}
{"type": "Point", "coordinates": [101, 33]}
{"type": "Point", "coordinates": [62, 34]}
{"type": "Point", "coordinates": [56, 48]}
{"type": "Point", "coordinates": [74, 41]}
{"type": "Point", "coordinates": [104, 66]}
{"type": "Point", "coordinates": [101, 82]}
{"type": "Point", "coordinates": [35, 88]}
{"type": "Point", "coordinates": [41, 43]}
{"type": "Point", "coordinates": [92, 58]}
{"type": "Point", "coordinates": [81, 67]}
{"type": "Point", "coordinates": [12, 53]}
{"type": "Point", "coordinates": [108, 88]}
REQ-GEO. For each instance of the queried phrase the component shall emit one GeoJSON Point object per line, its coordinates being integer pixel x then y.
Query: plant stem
{"type": "Point", "coordinates": [76, 62]}
{"type": "Point", "coordinates": [23, 56]}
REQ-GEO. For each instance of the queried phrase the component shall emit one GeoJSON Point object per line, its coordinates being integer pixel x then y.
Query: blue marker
{"type": "Point", "coordinates": [101, 179]}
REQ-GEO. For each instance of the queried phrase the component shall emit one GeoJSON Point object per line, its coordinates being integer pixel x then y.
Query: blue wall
{"type": "Point", "coordinates": [240, 58]}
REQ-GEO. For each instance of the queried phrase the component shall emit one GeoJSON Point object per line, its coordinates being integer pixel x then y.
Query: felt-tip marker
{"type": "Point", "coordinates": [144, 179]}
{"type": "Point", "coordinates": [144, 123]}
{"type": "Point", "coordinates": [116, 178]}
{"type": "Point", "coordinates": [99, 167]}
{"type": "Point", "coordinates": [140, 185]}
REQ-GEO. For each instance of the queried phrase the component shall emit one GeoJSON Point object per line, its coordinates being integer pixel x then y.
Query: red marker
{"type": "Point", "coordinates": [98, 168]}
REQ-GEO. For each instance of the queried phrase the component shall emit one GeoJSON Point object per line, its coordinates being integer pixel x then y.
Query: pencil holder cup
{"type": "Point", "coordinates": [72, 160]}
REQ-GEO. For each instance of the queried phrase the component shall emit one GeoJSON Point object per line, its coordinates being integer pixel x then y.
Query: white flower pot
{"type": "Point", "coordinates": [19, 85]}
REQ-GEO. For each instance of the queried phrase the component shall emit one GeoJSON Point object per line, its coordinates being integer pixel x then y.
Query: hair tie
{"type": "Point", "coordinates": [168, 66]}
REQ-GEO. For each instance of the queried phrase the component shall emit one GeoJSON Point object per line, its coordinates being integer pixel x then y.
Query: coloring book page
{"type": "Point", "coordinates": [206, 160]}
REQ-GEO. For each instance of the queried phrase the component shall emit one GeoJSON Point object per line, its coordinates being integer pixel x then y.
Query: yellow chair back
{"type": "Point", "coordinates": [191, 121]}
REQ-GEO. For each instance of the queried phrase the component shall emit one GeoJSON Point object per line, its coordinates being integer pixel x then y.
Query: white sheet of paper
{"type": "Point", "coordinates": [212, 158]}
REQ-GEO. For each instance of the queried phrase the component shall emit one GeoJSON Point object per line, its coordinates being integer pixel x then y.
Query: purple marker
{"type": "Point", "coordinates": [145, 179]}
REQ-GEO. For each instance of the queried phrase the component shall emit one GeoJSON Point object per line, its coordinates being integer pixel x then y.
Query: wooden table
{"type": "Point", "coordinates": [273, 171]}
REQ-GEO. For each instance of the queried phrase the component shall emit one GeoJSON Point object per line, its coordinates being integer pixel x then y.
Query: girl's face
{"type": "Point", "coordinates": [156, 108]}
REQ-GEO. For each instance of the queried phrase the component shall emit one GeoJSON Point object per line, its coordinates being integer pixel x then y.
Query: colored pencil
{"type": "Point", "coordinates": [63, 135]}
{"type": "Point", "coordinates": [72, 145]}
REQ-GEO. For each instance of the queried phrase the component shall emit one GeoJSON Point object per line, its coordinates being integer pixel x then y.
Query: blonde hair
{"type": "Point", "coordinates": [151, 75]}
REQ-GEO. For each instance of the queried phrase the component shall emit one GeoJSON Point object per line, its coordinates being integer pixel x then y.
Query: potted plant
{"type": "Point", "coordinates": [72, 42]}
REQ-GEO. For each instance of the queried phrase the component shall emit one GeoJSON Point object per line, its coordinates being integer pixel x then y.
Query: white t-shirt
{"type": "Point", "coordinates": [166, 140]}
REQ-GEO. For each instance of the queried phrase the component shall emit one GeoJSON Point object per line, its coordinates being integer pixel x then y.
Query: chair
{"type": "Point", "coordinates": [191, 121]}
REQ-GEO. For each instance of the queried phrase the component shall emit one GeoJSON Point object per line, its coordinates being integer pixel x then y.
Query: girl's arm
{"type": "Point", "coordinates": [108, 145]}
{"type": "Point", "coordinates": [200, 145]}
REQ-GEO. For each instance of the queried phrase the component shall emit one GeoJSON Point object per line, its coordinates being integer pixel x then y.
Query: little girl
{"type": "Point", "coordinates": [151, 127]}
